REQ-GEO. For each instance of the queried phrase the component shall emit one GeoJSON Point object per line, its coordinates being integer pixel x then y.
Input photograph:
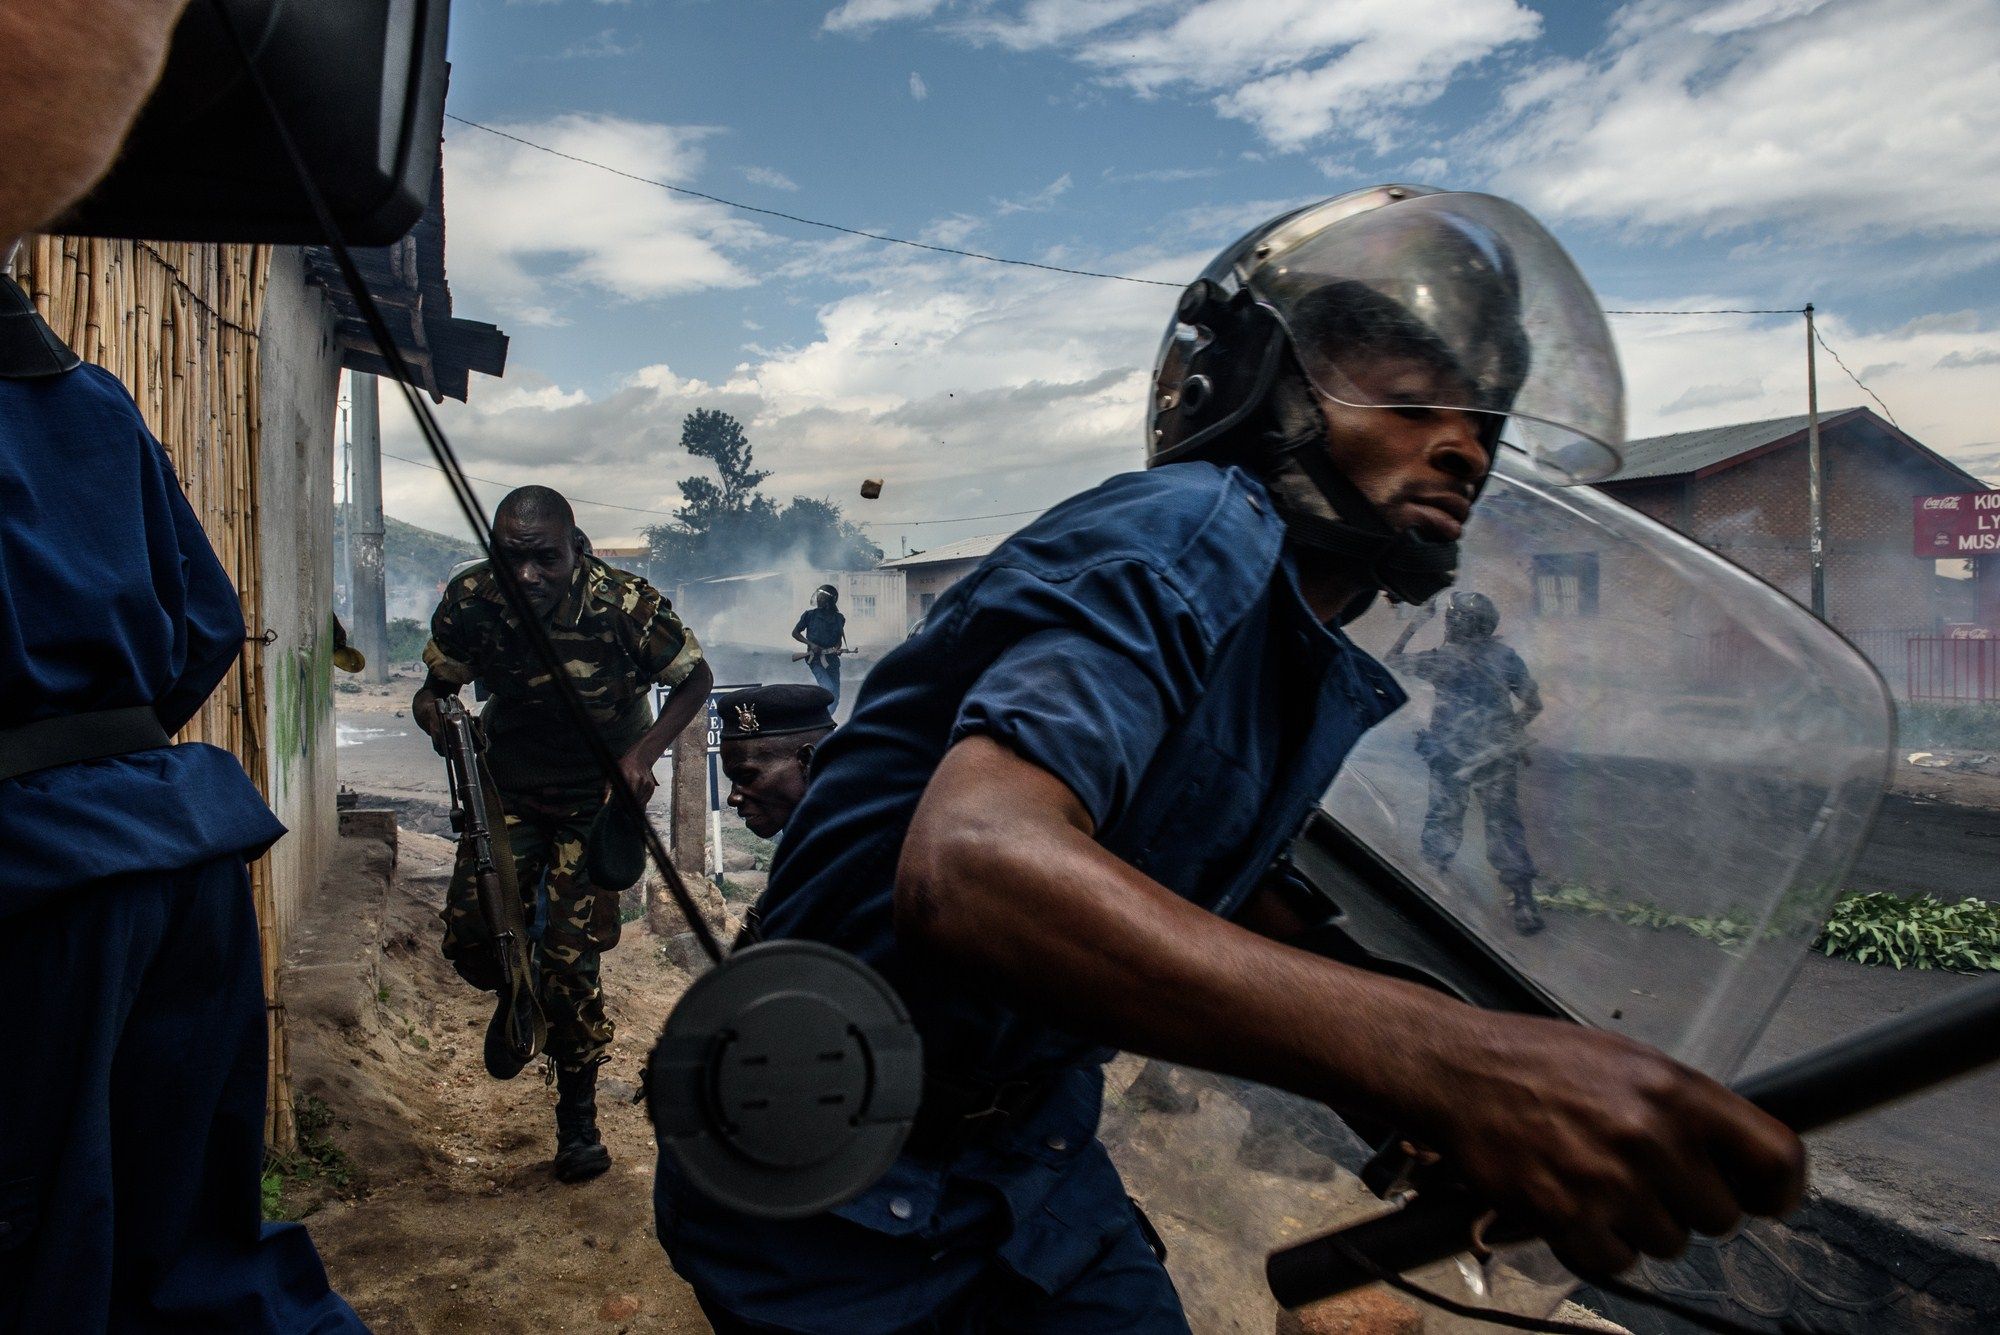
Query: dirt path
{"type": "Point", "coordinates": [455, 1222]}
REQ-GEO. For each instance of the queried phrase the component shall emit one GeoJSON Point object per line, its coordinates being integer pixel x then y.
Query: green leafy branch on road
{"type": "Point", "coordinates": [1896, 931]}
{"type": "Point", "coordinates": [1914, 932]}
{"type": "Point", "coordinates": [1725, 929]}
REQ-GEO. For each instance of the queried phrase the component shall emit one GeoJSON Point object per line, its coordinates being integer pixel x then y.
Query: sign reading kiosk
{"type": "Point", "coordinates": [1967, 524]}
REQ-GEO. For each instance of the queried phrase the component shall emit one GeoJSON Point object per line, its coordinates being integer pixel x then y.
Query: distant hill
{"type": "Point", "coordinates": [415, 562]}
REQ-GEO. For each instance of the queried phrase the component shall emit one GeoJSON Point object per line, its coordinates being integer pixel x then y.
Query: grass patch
{"type": "Point", "coordinates": [1914, 932]}
{"type": "Point", "coordinates": [317, 1162]}
{"type": "Point", "coordinates": [736, 836]}
{"type": "Point", "coordinates": [1924, 723]}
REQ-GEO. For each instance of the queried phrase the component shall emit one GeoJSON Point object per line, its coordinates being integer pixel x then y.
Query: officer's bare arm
{"type": "Point", "coordinates": [1606, 1147]}
{"type": "Point", "coordinates": [676, 712]}
{"type": "Point", "coordinates": [78, 71]}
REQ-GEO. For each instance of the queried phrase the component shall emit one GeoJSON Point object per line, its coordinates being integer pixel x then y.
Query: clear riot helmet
{"type": "Point", "coordinates": [1394, 297]}
{"type": "Point", "coordinates": [1682, 809]}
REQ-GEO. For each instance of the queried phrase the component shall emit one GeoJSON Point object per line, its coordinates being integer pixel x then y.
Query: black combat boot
{"type": "Point", "coordinates": [1527, 918]}
{"type": "Point", "coordinates": [580, 1152]}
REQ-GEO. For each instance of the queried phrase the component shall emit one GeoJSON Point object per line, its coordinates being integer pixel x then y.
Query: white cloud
{"type": "Point", "coordinates": [528, 228]}
{"type": "Point", "coordinates": [1715, 396]}
{"type": "Point", "coordinates": [777, 180]}
{"type": "Point", "coordinates": [1687, 373]}
{"type": "Point", "coordinates": [1040, 201]}
{"type": "Point", "coordinates": [604, 44]}
{"type": "Point", "coordinates": [972, 389]}
{"type": "Point", "coordinates": [1864, 119]}
{"type": "Point", "coordinates": [1297, 70]}
{"type": "Point", "coordinates": [919, 90]}
{"type": "Point", "coordinates": [1958, 361]}
{"type": "Point", "coordinates": [857, 14]}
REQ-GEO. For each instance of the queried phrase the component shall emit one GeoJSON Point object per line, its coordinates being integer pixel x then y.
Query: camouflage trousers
{"type": "Point", "coordinates": [576, 921]}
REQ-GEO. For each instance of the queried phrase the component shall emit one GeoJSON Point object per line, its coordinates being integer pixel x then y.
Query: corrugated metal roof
{"type": "Point", "coordinates": [965, 549]}
{"type": "Point", "coordinates": [1691, 451]}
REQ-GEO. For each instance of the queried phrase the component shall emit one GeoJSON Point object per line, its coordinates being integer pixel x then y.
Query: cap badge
{"type": "Point", "coordinates": [746, 718]}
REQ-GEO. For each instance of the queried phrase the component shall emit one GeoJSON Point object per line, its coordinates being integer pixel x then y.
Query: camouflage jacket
{"type": "Point", "coordinates": [617, 635]}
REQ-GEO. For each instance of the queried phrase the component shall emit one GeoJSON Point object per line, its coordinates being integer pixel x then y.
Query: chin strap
{"type": "Point", "coordinates": [1325, 512]}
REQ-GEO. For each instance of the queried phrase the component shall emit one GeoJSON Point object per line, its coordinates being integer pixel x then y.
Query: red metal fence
{"type": "Point", "coordinates": [1961, 671]}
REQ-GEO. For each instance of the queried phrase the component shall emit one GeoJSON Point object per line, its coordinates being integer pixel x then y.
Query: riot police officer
{"type": "Point", "coordinates": [1002, 828]}
{"type": "Point", "coordinates": [1476, 744]}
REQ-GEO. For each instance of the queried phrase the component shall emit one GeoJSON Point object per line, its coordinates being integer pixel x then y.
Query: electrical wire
{"type": "Point", "coordinates": [1723, 310]}
{"type": "Point", "coordinates": [671, 514]}
{"type": "Point", "coordinates": [809, 222]}
{"type": "Point", "coordinates": [538, 639]}
{"type": "Point", "coordinates": [1821, 339]}
{"type": "Point", "coordinates": [496, 482]}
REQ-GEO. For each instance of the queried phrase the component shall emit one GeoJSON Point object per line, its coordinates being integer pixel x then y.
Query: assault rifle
{"type": "Point", "coordinates": [519, 1028]}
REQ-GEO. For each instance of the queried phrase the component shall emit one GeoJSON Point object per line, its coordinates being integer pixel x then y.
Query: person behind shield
{"type": "Point", "coordinates": [1002, 829]}
{"type": "Point", "coordinates": [132, 1108]}
{"type": "Point", "coordinates": [618, 637]}
{"type": "Point", "coordinates": [1476, 743]}
{"type": "Point", "coordinates": [770, 735]}
{"type": "Point", "coordinates": [823, 631]}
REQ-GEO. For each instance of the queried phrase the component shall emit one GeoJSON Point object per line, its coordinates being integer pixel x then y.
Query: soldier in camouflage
{"type": "Point", "coordinates": [618, 637]}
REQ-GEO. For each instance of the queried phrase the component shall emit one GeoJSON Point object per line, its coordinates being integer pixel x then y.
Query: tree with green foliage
{"type": "Point", "coordinates": [725, 526]}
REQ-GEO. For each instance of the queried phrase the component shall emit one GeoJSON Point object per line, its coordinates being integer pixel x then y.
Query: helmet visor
{"type": "Point", "coordinates": [1452, 301]}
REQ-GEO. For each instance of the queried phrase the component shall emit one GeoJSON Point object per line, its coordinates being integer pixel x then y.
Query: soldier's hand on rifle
{"type": "Point", "coordinates": [1604, 1147]}
{"type": "Point", "coordinates": [424, 712]}
{"type": "Point", "coordinates": [637, 775]}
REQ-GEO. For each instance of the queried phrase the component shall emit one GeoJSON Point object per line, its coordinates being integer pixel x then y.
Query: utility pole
{"type": "Point", "coordinates": [371, 625]}
{"type": "Point", "coordinates": [1815, 491]}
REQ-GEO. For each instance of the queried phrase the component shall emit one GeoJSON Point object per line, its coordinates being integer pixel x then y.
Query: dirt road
{"type": "Point", "coordinates": [453, 1221]}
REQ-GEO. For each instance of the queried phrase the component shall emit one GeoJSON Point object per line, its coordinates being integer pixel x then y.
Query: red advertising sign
{"type": "Point", "coordinates": [1967, 524]}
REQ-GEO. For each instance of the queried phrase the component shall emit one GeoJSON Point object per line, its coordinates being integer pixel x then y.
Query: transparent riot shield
{"type": "Point", "coordinates": [1637, 777]}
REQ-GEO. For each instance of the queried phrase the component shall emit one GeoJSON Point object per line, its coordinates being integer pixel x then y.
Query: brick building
{"type": "Point", "coordinates": [1741, 491]}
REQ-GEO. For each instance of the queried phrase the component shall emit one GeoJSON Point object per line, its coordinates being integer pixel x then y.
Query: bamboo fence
{"type": "Point", "coordinates": [177, 323]}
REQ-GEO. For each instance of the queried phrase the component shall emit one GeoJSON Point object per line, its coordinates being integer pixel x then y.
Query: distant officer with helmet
{"type": "Point", "coordinates": [1476, 743]}
{"type": "Point", "coordinates": [822, 629]}
{"type": "Point", "coordinates": [1003, 829]}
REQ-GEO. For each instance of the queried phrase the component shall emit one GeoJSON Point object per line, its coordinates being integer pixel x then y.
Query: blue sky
{"type": "Point", "coordinates": [1691, 153]}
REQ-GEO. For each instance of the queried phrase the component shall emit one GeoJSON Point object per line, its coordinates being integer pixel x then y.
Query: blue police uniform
{"type": "Point", "coordinates": [131, 1120]}
{"type": "Point", "coordinates": [1146, 642]}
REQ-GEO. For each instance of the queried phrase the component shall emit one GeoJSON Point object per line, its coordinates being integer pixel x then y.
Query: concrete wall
{"type": "Point", "coordinates": [300, 370]}
{"type": "Point", "coordinates": [927, 583]}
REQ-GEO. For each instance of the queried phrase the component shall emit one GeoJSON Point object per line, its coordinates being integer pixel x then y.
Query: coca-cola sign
{"type": "Point", "coordinates": [1967, 524]}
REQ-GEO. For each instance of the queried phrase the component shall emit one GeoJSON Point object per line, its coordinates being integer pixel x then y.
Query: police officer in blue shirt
{"type": "Point", "coordinates": [132, 1113]}
{"type": "Point", "coordinates": [1047, 820]}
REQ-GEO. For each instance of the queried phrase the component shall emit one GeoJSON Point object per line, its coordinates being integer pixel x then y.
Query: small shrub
{"type": "Point", "coordinates": [317, 1159]}
{"type": "Point", "coordinates": [1914, 932]}
{"type": "Point", "coordinates": [407, 638]}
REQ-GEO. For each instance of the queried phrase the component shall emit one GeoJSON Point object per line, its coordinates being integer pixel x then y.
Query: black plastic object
{"type": "Point", "coordinates": [361, 84]}
{"type": "Point", "coordinates": [1899, 1057]}
{"type": "Point", "coordinates": [786, 1080]}
{"type": "Point", "coordinates": [614, 850]}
